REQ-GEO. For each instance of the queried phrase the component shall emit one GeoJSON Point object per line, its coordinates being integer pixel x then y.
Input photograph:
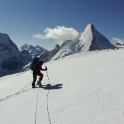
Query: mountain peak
{"type": "Point", "coordinates": [4, 38]}
{"type": "Point", "coordinates": [26, 44]}
{"type": "Point", "coordinates": [89, 40]}
{"type": "Point", "coordinates": [90, 26]}
{"type": "Point", "coordinates": [33, 50]}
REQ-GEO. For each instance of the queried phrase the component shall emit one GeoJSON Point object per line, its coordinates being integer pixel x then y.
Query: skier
{"type": "Point", "coordinates": [36, 71]}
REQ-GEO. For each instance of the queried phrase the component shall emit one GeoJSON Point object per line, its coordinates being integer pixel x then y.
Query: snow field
{"type": "Point", "coordinates": [90, 92]}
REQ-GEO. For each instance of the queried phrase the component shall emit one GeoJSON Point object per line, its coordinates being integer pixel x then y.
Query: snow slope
{"type": "Point", "coordinates": [86, 88]}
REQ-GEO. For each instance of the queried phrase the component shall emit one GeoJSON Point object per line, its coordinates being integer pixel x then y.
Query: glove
{"type": "Point", "coordinates": [45, 68]}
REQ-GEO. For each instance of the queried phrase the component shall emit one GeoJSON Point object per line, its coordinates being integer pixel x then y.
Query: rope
{"type": "Point", "coordinates": [48, 108]}
{"type": "Point", "coordinates": [48, 77]}
{"type": "Point", "coordinates": [36, 106]}
{"type": "Point", "coordinates": [9, 96]}
{"type": "Point", "coordinates": [47, 99]}
{"type": "Point", "coordinates": [24, 87]}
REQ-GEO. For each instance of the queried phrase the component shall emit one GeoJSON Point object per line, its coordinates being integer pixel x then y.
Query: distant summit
{"type": "Point", "coordinates": [33, 50]}
{"type": "Point", "coordinates": [93, 40]}
{"type": "Point", "coordinates": [89, 40]}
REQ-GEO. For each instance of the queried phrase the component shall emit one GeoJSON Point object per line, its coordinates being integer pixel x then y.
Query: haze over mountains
{"type": "Point", "coordinates": [13, 58]}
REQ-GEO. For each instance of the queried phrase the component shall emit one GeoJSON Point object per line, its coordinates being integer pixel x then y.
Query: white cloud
{"type": "Point", "coordinates": [117, 40]}
{"type": "Point", "coordinates": [39, 36]}
{"type": "Point", "coordinates": [59, 34]}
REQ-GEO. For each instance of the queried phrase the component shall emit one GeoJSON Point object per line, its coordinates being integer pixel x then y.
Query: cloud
{"type": "Point", "coordinates": [59, 34]}
{"type": "Point", "coordinates": [117, 40]}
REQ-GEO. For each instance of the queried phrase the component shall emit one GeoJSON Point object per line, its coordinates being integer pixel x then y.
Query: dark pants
{"type": "Point", "coordinates": [35, 73]}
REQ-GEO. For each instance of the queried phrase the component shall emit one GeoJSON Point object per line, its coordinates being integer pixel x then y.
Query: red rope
{"type": "Point", "coordinates": [36, 106]}
{"type": "Point", "coordinates": [9, 96]}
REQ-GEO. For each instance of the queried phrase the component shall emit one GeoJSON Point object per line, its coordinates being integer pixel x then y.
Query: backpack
{"type": "Point", "coordinates": [34, 63]}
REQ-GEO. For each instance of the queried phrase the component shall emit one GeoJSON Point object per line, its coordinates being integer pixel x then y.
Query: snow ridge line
{"type": "Point", "coordinates": [9, 96]}
{"type": "Point", "coordinates": [36, 106]}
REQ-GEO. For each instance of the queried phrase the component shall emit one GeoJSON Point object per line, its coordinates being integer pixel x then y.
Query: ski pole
{"type": "Point", "coordinates": [48, 76]}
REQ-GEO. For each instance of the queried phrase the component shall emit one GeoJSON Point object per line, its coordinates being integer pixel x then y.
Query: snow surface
{"type": "Point", "coordinates": [85, 88]}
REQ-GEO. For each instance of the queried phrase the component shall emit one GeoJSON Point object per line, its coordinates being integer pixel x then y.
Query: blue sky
{"type": "Point", "coordinates": [26, 20]}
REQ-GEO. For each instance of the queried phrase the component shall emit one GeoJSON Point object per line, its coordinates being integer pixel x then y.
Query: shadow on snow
{"type": "Point", "coordinates": [51, 87]}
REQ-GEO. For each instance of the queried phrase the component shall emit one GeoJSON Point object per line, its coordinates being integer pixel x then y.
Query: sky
{"type": "Point", "coordinates": [46, 23]}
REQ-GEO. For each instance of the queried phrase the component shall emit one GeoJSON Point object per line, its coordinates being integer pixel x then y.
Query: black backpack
{"type": "Point", "coordinates": [34, 63]}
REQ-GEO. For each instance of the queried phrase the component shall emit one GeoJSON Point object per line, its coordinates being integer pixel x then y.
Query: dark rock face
{"type": "Point", "coordinates": [24, 52]}
{"type": "Point", "coordinates": [11, 59]}
{"type": "Point", "coordinates": [12, 63]}
{"type": "Point", "coordinates": [93, 45]}
{"type": "Point", "coordinates": [47, 55]}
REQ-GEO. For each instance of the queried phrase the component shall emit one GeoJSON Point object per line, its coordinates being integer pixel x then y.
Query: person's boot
{"type": "Point", "coordinates": [33, 85]}
{"type": "Point", "coordinates": [39, 83]}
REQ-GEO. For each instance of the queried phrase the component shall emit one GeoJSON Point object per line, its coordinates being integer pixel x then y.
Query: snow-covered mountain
{"type": "Point", "coordinates": [85, 88]}
{"type": "Point", "coordinates": [89, 40]}
{"type": "Point", "coordinates": [11, 59]}
{"type": "Point", "coordinates": [47, 55]}
{"type": "Point", "coordinates": [119, 45]}
{"type": "Point", "coordinates": [33, 50]}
